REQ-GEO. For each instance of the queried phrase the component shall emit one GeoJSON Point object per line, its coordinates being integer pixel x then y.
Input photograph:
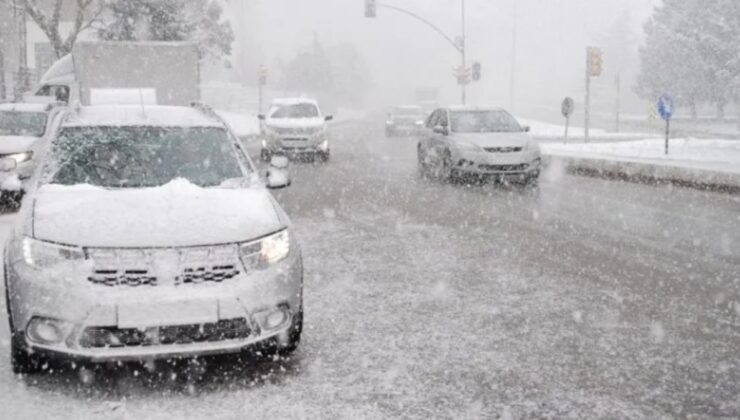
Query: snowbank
{"type": "Point", "coordinates": [704, 163]}
{"type": "Point", "coordinates": [547, 131]}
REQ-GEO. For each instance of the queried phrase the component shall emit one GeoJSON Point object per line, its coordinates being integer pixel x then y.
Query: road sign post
{"type": "Point", "coordinates": [261, 82]}
{"type": "Point", "coordinates": [567, 109]}
{"type": "Point", "coordinates": [594, 65]}
{"type": "Point", "coordinates": [666, 108]}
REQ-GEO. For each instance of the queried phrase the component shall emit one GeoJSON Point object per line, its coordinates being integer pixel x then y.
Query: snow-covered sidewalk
{"type": "Point", "coordinates": [713, 163]}
{"type": "Point", "coordinates": [547, 131]}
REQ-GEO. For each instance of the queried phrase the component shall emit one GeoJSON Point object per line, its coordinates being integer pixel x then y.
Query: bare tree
{"type": "Point", "coordinates": [49, 20]}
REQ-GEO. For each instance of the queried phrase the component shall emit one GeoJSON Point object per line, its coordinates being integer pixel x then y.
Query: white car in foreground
{"type": "Point", "coordinates": [149, 234]}
{"type": "Point", "coordinates": [476, 142]}
{"type": "Point", "coordinates": [295, 127]}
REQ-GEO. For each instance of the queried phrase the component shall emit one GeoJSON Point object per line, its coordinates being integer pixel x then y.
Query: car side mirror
{"type": "Point", "coordinates": [278, 176]}
{"type": "Point", "coordinates": [261, 117]}
{"type": "Point", "coordinates": [526, 129]}
{"type": "Point", "coordinates": [8, 164]}
{"type": "Point", "coordinates": [328, 118]}
{"type": "Point", "coordinates": [441, 129]}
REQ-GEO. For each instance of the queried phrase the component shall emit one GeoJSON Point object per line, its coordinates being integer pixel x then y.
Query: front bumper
{"type": "Point", "coordinates": [503, 164]}
{"type": "Point", "coordinates": [170, 321]}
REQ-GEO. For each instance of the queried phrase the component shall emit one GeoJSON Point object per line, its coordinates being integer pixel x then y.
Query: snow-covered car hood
{"type": "Point", "coordinates": [16, 144]}
{"type": "Point", "coordinates": [173, 215]}
{"type": "Point", "coordinates": [493, 139]}
{"type": "Point", "coordinates": [295, 122]}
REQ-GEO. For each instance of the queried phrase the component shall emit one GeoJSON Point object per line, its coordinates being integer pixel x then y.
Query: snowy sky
{"type": "Point", "coordinates": [552, 36]}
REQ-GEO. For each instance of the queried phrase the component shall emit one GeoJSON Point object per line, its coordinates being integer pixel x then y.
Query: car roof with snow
{"type": "Point", "coordinates": [26, 107]}
{"type": "Point", "coordinates": [294, 101]}
{"type": "Point", "coordinates": [137, 115]}
{"type": "Point", "coordinates": [473, 108]}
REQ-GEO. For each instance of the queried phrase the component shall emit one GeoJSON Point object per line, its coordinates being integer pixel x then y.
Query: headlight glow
{"type": "Point", "coordinates": [41, 254]}
{"type": "Point", "coordinates": [20, 157]}
{"type": "Point", "coordinates": [270, 250]}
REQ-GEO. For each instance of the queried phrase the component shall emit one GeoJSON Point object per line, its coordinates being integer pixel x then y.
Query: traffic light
{"type": "Point", "coordinates": [476, 71]}
{"type": "Point", "coordinates": [371, 8]}
{"type": "Point", "coordinates": [595, 61]}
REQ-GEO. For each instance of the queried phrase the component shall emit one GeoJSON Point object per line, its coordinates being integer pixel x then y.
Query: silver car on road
{"type": "Point", "coordinates": [149, 234]}
{"type": "Point", "coordinates": [478, 142]}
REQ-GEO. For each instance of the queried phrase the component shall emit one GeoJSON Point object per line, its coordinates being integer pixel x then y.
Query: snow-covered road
{"type": "Point", "coordinates": [589, 299]}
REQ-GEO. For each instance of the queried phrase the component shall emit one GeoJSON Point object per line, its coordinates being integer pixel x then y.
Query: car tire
{"type": "Point", "coordinates": [389, 133]}
{"type": "Point", "coordinates": [422, 166]}
{"type": "Point", "coordinates": [446, 172]}
{"type": "Point", "coordinates": [324, 156]}
{"type": "Point", "coordinates": [10, 201]}
{"type": "Point", "coordinates": [265, 155]}
{"type": "Point", "coordinates": [21, 360]}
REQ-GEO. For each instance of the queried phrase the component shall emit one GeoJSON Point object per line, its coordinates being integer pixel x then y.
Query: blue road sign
{"type": "Point", "coordinates": [665, 107]}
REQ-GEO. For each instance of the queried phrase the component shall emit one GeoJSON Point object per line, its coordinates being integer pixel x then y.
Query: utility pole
{"type": "Point", "coordinates": [512, 82]}
{"type": "Point", "coordinates": [618, 85]}
{"type": "Point", "coordinates": [22, 84]}
{"type": "Point", "coordinates": [463, 53]}
{"type": "Point", "coordinates": [587, 101]}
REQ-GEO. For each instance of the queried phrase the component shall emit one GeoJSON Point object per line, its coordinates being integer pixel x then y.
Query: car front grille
{"type": "Point", "coordinates": [502, 149]}
{"type": "Point", "coordinates": [138, 267]}
{"type": "Point", "coordinates": [505, 168]}
{"type": "Point", "coordinates": [103, 337]}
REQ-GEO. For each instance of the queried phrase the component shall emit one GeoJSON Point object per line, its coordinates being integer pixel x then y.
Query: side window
{"type": "Point", "coordinates": [432, 120]}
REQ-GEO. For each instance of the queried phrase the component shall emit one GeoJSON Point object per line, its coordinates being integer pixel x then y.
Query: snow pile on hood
{"type": "Point", "coordinates": [173, 215]}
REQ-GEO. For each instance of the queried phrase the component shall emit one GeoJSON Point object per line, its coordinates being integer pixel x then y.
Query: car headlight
{"type": "Point", "coordinates": [40, 254]}
{"type": "Point", "coordinates": [20, 157]}
{"type": "Point", "coordinates": [420, 123]}
{"type": "Point", "coordinates": [265, 252]}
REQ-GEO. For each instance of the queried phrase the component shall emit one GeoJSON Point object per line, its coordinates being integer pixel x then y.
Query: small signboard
{"type": "Point", "coordinates": [568, 107]}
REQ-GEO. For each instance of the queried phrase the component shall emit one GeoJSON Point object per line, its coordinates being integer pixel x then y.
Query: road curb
{"type": "Point", "coordinates": [647, 173]}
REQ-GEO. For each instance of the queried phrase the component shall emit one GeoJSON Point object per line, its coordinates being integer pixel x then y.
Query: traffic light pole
{"type": "Point", "coordinates": [463, 43]}
{"type": "Point", "coordinates": [459, 47]}
{"type": "Point", "coordinates": [587, 101]}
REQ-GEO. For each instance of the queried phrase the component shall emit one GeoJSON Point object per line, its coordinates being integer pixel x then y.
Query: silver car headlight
{"type": "Point", "coordinates": [41, 255]}
{"type": "Point", "coordinates": [265, 252]}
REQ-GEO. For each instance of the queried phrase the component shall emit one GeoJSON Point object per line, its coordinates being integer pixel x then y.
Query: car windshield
{"type": "Point", "coordinates": [15, 123]}
{"type": "Point", "coordinates": [483, 122]}
{"type": "Point", "coordinates": [295, 111]}
{"type": "Point", "coordinates": [136, 157]}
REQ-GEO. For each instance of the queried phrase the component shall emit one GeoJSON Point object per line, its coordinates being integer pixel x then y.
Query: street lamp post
{"type": "Point", "coordinates": [460, 47]}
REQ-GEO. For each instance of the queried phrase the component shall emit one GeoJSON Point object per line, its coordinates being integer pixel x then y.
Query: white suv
{"type": "Point", "coordinates": [295, 127]}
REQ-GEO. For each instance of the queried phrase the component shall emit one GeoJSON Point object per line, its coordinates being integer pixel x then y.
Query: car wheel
{"type": "Point", "coordinates": [446, 173]}
{"type": "Point", "coordinates": [10, 201]}
{"type": "Point", "coordinates": [324, 156]}
{"type": "Point", "coordinates": [21, 361]}
{"type": "Point", "coordinates": [284, 346]}
{"type": "Point", "coordinates": [421, 164]}
{"type": "Point", "coordinates": [265, 155]}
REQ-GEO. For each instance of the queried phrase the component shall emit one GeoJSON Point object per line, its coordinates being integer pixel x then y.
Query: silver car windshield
{"type": "Point", "coordinates": [483, 122]}
{"type": "Point", "coordinates": [295, 111]}
{"type": "Point", "coordinates": [136, 157]}
{"type": "Point", "coordinates": [13, 123]}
